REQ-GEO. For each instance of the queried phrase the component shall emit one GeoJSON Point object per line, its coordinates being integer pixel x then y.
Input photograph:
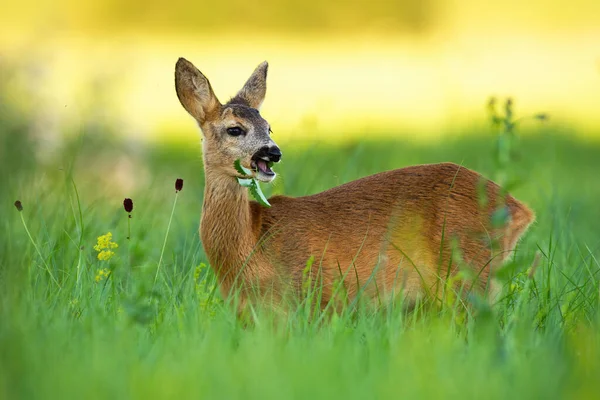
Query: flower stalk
{"type": "Point", "coordinates": [19, 207]}
{"type": "Point", "coordinates": [178, 188]}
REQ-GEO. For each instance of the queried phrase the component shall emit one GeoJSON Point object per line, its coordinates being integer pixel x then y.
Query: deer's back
{"type": "Point", "coordinates": [395, 222]}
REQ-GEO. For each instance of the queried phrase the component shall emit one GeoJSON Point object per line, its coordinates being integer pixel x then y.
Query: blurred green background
{"type": "Point", "coordinates": [89, 116]}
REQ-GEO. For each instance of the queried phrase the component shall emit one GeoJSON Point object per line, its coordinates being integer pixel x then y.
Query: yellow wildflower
{"type": "Point", "coordinates": [104, 247]}
{"type": "Point", "coordinates": [105, 255]}
{"type": "Point", "coordinates": [101, 274]}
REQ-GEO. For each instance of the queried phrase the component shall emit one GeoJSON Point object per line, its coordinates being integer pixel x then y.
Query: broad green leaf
{"type": "Point", "coordinates": [258, 194]}
{"type": "Point", "coordinates": [245, 182]}
{"type": "Point", "coordinates": [241, 169]}
{"type": "Point", "coordinates": [251, 183]}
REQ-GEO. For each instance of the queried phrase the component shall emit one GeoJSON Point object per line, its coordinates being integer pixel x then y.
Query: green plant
{"type": "Point", "coordinates": [180, 339]}
{"type": "Point", "coordinates": [247, 180]}
{"type": "Point", "coordinates": [506, 124]}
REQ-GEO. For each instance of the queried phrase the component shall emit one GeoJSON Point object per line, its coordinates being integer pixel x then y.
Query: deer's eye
{"type": "Point", "coordinates": [235, 131]}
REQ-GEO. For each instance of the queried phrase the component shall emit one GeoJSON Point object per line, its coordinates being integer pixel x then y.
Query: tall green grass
{"type": "Point", "coordinates": [137, 334]}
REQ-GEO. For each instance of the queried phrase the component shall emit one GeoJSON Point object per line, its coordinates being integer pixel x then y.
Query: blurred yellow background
{"type": "Point", "coordinates": [336, 68]}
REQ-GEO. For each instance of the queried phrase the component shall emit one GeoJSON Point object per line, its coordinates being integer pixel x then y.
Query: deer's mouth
{"type": "Point", "coordinates": [262, 169]}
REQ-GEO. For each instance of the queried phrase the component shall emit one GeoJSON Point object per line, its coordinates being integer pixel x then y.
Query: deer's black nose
{"type": "Point", "coordinates": [274, 154]}
{"type": "Point", "coordinates": [269, 153]}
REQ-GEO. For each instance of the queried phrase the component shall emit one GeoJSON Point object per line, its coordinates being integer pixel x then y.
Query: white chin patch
{"type": "Point", "coordinates": [264, 177]}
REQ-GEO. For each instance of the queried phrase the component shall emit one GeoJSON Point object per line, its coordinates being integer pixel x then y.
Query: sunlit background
{"type": "Point", "coordinates": [89, 117]}
{"type": "Point", "coordinates": [337, 70]}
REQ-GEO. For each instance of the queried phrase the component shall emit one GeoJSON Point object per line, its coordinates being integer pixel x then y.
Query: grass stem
{"type": "Point", "coordinates": [162, 252]}
{"type": "Point", "coordinates": [38, 251]}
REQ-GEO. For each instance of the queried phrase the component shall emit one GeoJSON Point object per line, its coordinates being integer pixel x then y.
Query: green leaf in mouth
{"type": "Point", "coordinates": [251, 183]}
{"type": "Point", "coordinates": [258, 194]}
{"type": "Point", "coordinates": [237, 164]}
{"type": "Point", "coordinates": [245, 182]}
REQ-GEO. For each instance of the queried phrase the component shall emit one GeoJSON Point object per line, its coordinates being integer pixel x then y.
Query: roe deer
{"type": "Point", "coordinates": [396, 231]}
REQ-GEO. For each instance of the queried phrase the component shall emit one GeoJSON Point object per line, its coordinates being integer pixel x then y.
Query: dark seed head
{"type": "Point", "coordinates": [19, 205]}
{"type": "Point", "coordinates": [128, 205]}
{"type": "Point", "coordinates": [178, 185]}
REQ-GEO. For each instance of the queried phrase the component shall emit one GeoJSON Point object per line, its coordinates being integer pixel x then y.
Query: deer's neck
{"type": "Point", "coordinates": [226, 228]}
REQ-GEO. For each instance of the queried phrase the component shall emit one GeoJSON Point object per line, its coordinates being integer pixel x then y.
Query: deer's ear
{"type": "Point", "coordinates": [194, 91]}
{"type": "Point", "coordinates": [255, 88]}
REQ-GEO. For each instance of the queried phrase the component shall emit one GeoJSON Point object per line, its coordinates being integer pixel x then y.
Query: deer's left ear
{"type": "Point", "coordinates": [255, 88]}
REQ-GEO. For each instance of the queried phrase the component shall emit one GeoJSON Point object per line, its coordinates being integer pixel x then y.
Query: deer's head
{"type": "Point", "coordinates": [234, 130]}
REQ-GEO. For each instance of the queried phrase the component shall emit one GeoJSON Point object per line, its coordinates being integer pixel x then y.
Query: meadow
{"type": "Point", "coordinates": [75, 326]}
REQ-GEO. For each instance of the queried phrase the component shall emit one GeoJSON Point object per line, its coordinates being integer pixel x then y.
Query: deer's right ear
{"type": "Point", "coordinates": [194, 91]}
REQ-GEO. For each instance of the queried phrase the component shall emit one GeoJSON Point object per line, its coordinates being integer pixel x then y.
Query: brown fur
{"type": "Point", "coordinates": [403, 230]}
